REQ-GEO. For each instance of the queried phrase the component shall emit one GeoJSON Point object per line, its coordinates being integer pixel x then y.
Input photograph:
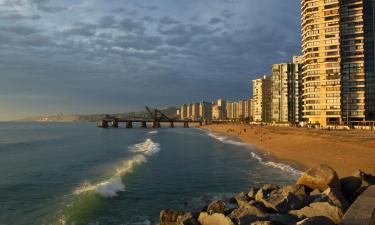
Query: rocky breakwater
{"type": "Point", "coordinates": [318, 197]}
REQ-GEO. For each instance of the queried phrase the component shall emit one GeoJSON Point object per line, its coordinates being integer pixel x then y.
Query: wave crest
{"type": "Point", "coordinates": [110, 187]}
{"type": "Point", "coordinates": [280, 166]}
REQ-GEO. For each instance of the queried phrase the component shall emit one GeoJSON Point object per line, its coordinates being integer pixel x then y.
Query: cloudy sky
{"type": "Point", "coordinates": [93, 56]}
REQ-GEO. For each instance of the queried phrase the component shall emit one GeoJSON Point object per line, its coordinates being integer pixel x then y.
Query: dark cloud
{"type": "Point", "coordinates": [138, 55]}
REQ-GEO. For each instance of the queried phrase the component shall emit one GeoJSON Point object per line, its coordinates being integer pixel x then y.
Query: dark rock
{"type": "Point", "coordinates": [281, 219]}
{"type": "Point", "coordinates": [320, 177]}
{"type": "Point", "coordinates": [169, 217]}
{"type": "Point", "coordinates": [337, 198]}
{"type": "Point", "coordinates": [265, 190]}
{"type": "Point", "coordinates": [252, 192]}
{"type": "Point", "coordinates": [318, 220]}
{"type": "Point", "coordinates": [214, 219]}
{"type": "Point", "coordinates": [298, 189]}
{"type": "Point", "coordinates": [216, 207]}
{"type": "Point", "coordinates": [350, 186]}
{"type": "Point", "coordinates": [266, 223]}
{"type": "Point", "coordinates": [242, 199]}
{"type": "Point", "coordinates": [282, 200]}
{"type": "Point", "coordinates": [187, 219]}
{"type": "Point", "coordinates": [246, 214]}
{"type": "Point", "coordinates": [319, 209]}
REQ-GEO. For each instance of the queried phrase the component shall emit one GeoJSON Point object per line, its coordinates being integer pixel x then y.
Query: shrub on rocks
{"type": "Point", "coordinates": [320, 177]}
{"type": "Point", "coordinates": [169, 217]}
{"type": "Point", "coordinates": [216, 207]}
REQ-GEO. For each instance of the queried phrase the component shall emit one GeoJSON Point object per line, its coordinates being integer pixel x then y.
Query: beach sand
{"type": "Point", "coordinates": [344, 151]}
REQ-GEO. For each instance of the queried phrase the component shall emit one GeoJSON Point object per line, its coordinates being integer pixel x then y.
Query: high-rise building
{"type": "Point", "coordinates": [230, 111]}
{"type": "Point", "coordinates": [205, 111]}
{"type": "Point", "coordinates": [297, 93]}
{"type": "Point", "coordinates": [183, 111]}
{"type": "Point", "coordinates": [286, 91]}
{"type": "Point", "coordinates": [223, 106]}
{"type": "Point", "coordinates": [338, 52]}
{"type": "Point", "coordinates": [262, 99]}
{"type": "Point", "coordinates": [194, 111]}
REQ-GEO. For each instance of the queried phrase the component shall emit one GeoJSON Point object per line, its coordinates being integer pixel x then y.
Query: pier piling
{"type": "Point", "coordinates": [129, 124]}
{"type": "Point", "coordinates": [114, 124]}
{"type": "Point", "coordinates": [144, 124]}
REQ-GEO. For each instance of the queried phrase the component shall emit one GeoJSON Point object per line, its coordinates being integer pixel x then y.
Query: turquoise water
{"type": "Point", "coordinates": [72, 173]}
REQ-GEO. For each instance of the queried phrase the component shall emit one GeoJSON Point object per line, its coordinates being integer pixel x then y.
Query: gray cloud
{"type": "Point", "coordinates": [107, 52]}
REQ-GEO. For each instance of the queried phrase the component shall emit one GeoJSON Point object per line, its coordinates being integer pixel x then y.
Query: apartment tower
{"type": "Point", "coordinates": [338, 55]}
{"type": "Point", "coordinates": [261, 100]}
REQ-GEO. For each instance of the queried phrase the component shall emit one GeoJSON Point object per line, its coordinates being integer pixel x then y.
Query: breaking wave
{"type": "Point", "coordinates": [226, 140]}
{"type": "Point", "coordinates": [110, 187]}
{"type": "Point", "coordinates": [280, 166]}
{"type": "Point", "coordinates": [153, 132]}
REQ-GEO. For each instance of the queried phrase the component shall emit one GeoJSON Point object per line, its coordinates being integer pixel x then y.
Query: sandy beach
{"type": "Point", "coordinates": [345, 151]}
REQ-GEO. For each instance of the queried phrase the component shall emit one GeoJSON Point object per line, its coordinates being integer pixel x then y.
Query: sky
{"type": "Point", "coordinates": [113, 56]}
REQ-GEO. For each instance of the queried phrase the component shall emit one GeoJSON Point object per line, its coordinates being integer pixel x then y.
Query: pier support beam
{"type": "Point", "coordinates": [114, 124]}
{"type": "Point", "coordinates": [144, 124]}
{"type": "Point", "coordinates": [186, 124]}
{"type": "Point", "coordinates": [172, 124]}
{"type": "Point", "coordinates": [200, 123]}
{"type": "Point", "coordinates": [103, 124]}
{"type": "Point", "coordinates": [129, 124]}
{"type": "Point", "coordinates": [156, 124]}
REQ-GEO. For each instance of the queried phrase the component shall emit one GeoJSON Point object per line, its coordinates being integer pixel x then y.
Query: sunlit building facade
{"type": "Point", "coordinates": [338, 55]}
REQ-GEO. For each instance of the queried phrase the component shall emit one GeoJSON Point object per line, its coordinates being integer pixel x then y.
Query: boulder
{"type": "Point", "coordinates": [246, 214]}
{"type": "Point", "coordinates": [298, 189]}
{"type": "Point", "coordinates": [214, 219]}
{"type": "Point", "coordinates": [216, 207]}
{"type": "Point", "coordinates": [318, 220]}
{"type": "Point", "coordinates": [350, 186]}
{"type": "Point", "coordinates": [266, 223]}
{"type": "Point", "coordinates": [265, 190]}
{"type": "Point", "coordinates": [320, 177]}
{"type": "Point", "coordinates": [337, 198]}
{"type": "Point", "coordinates": [187, 219]}
{"type": "Point", "coordinates": [169, 217]}
{"type": "Point", "coordinates": [285, 219]}
{"type": "Point", "coordinates": [283, 200]}
{"type": "Point", "coordinates": [324, 209]}
{"type": "Point", "coordinates": [367, 179]}
{"type": "Point", "coordinates": [252, 192]}
{"type": "Point", "coordinates": [242, 198]}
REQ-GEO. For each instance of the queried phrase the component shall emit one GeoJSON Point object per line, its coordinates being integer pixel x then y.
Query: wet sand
{"type": "Point", "coordinates": [344, 151]}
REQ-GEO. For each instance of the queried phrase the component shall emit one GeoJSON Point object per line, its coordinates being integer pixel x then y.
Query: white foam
{"type": "Point", "coordinates": [148, 147]}
{"type": "Point", "coordinates": [280, 166]}
{"type": "Point", "coordinates": [153, 132]}
{"type": "Point", "coordinates": [110, 187]}
{"type": "Point", "coordinates": [226, 140]}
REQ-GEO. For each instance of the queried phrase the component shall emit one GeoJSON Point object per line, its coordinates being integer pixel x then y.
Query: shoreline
{"type": "Point", "coordinates": [345, 151]}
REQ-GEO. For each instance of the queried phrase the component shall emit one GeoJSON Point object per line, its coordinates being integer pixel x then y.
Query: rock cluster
{"type": "Point", "coordinates": [319, 197]}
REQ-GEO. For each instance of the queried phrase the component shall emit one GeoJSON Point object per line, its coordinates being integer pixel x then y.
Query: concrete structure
{"type": "Point", "coordinates": [338, 52]}
{"type": "Point", "coordinates": [361, 211]}
{"type": "Point", "coordinates": [223, 106]}
{"type": "Point", "coordinates": [286, 91]}
{"type": "Point", "coordinates": [262, 99]}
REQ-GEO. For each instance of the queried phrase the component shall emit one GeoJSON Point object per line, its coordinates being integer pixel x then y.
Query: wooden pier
{"type": "Point", "coordinates": [157, 118]}
{"type": "Point", "coordinates": [130, 123]}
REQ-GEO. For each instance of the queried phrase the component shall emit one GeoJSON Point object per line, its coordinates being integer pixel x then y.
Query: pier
{"type": "Point", "coordinates": [155, 120]}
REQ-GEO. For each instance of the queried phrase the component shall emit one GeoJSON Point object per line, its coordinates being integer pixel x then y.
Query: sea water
{"type": "Point", "coordinates": [76, 173]}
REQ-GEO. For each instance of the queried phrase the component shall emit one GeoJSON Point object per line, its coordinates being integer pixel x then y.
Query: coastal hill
{"type": "Point", "coordinates": [168, 111]}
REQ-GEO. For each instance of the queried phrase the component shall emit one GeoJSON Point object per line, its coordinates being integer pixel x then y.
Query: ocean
{"type": "Point", "coordinates": [76, 173]}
